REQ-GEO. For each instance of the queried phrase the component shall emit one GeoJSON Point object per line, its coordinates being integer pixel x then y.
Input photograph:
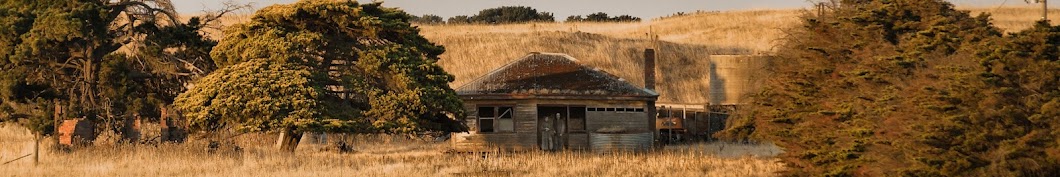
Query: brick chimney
{"type": "Point", "coordinates": [649, 84]}
{"type": "Point", "coordinates": [649, 69]}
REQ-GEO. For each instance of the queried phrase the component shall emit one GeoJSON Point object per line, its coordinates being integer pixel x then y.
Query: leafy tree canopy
{"type": "Point", "coordinates": [510, 14]}
{"type": "Point", "coordinates": [70, 52]}
{"type": "Point", "coordinates": [357, 67]}
{"type": "Point", "coordinates": [459, 19]}
{"type": "Point", "coordinates": [260, 95]}
{"type": "Point", "coordinates": [427, 19]}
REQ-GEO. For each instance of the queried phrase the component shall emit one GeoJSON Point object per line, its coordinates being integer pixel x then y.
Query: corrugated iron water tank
{"type": "Point", "coordinates": [732, 77]}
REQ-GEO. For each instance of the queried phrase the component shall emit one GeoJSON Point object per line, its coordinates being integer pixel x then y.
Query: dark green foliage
{"type": "Point", "coordinates": [261, 95]}
{"type": "Point", "coordinates": [427, 19]}
{"type": "Point", "coordinates": [507, 14]}
{"type": "Point", "coordinates": [602, 17]}
{"type": "Point", "coordinates": [69, 50]}
{"type": "Point", "coordinates": [1007, 122]}
{"type": "Point", "coordinates": [316, 66]}
{"type": "Point", "coordinates": [459, 19]}
{"type": "Point", "coordinates": [575, 18]}
{"type": "Point", "coordinates": [24, 103]}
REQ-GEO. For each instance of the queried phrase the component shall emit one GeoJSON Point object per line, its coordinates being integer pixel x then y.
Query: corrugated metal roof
{"type": "Point", "coordinates": [551, 74]}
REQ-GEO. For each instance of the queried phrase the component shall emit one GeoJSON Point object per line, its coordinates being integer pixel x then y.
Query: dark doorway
{"type": "Point", "coordinates": [555, 123]}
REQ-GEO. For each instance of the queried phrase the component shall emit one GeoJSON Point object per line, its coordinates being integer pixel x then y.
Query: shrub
{"type": "Point", "coordinates": [508, 14]}
{"type": "Point", "coordinates": [602, 17]}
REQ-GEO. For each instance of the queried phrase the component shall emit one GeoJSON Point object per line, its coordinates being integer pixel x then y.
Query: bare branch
{"type": "Point", "coordinates": [212, 18]}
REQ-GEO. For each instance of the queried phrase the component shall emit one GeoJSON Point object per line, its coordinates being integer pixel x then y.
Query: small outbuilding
{"type": "Point", "coordinates": [550, 101]}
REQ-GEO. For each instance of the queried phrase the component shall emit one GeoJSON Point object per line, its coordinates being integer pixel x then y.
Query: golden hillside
{"type": "Point", "coordinates": [686, 42]}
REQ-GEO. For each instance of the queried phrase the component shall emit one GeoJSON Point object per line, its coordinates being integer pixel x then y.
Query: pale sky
{"type": "Point", "coordinates": [646, 9]}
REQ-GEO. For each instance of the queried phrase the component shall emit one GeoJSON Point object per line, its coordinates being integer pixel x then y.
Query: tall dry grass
{"type": "Point", "coordinates": [1013, 19]}
{"type": "Point", "coordinates": [379, 156]}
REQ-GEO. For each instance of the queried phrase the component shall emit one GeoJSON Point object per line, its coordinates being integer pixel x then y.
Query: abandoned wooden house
{"type": "Point", "coordinates": [550, 101]}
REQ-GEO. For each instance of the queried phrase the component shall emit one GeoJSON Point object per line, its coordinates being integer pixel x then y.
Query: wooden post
{"type": "Point", "coordinates": [36, 148]}
{"type": "Point", "coordinates": [820, 9]}
{"type": "Point", "coordinates": [684, 121]}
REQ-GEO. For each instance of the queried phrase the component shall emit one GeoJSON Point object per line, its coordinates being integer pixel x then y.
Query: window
{"type": "Point", "coordinates": [496, 119]}
{"type": "Point", "coordinates": [619, 110]}
{"type": "Point", "coordinates": [576, 122]}
{"type": "Point", "coordinates": [504, 122]}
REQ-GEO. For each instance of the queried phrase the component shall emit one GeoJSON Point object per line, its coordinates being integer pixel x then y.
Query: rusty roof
{"type": "Point", "coordinates": [551, 74]}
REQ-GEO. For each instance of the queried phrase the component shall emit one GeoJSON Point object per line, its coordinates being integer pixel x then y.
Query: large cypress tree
{"type": "Point", "coordinates": [102, 59]}
{"type": "Point", "coordinates": [352, 68]}
{"type": "Point", "coordinates": [911, 88]}
{"type": "Point", "coordinates": [854, 89]}
{"type": "Point", "coordinates": [105, 60]}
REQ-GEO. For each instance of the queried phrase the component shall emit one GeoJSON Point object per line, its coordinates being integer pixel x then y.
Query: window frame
{"type": "Point", "coordinates": [496, 123]}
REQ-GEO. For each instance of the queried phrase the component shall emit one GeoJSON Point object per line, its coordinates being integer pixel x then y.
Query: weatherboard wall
{"type": "Point", "coordinates": [525, 134]}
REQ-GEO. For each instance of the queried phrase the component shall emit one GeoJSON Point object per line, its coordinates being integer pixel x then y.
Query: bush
{"type": "Point", "coordinates": [506, 14]}
{"type": "Point", "coordinates": [459, 19]}
{"type": "Point", "coordinates": [427, 19]}
{"type": "Point", "coordinates": [602, 17]}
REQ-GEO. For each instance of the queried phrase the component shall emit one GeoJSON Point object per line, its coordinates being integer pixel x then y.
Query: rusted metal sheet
{"type": "Point", "coordinates": [475, 142]}
{"type": "Point", "coordinates": [578, 141]}
{"type": "Point", "coordinates": [76, 132]}
{"type": "Point", "coordinates": [610, 142]}
{"type": "Point", "coordinates": [551, 74]}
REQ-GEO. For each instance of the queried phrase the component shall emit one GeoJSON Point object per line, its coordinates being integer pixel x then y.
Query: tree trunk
{"type": "Point", "coordinates": [36, 148]}
{"type": "Point", "coordinates": [289, 140]}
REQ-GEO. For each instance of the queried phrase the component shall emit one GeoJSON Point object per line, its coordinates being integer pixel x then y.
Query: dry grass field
{"type": "Point", "coordinates": [378, 156]}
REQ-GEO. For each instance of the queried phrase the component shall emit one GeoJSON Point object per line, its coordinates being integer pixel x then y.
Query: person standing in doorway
{"type": "Point", "coordinates": [547, 132]}
{"type": "Point", "coordinates": [561, 130]}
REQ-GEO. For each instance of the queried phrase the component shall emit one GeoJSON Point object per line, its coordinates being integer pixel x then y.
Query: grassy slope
{"type": "Point", "coordinates": [473, 50]}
